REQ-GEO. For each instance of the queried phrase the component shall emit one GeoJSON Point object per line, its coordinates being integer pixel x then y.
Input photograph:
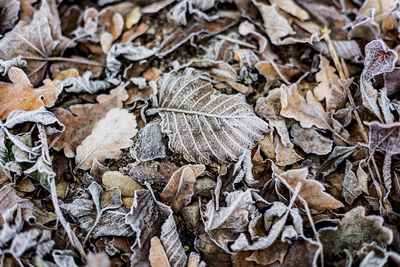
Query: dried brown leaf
{"type": "Point", "coordinates": [311, 191]}
{"type": "Point", "coordinates": [179, 190]}
{"type": "Point", "coordinates": [108, 137]}
{"type": "Point", "coordinates": [309, 112]}
{"type": "Point", "coordinates": [82, 118]}
{"type": "Point", "coordinates": [20, 94]}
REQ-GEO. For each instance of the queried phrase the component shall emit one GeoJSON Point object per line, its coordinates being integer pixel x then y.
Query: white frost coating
{"type": "Point", "coordinates": [202, 123]}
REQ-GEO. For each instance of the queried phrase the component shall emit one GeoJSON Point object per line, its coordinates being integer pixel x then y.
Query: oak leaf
{"type": "Point", "coordinates": [311, 191]}
{"type": "Point", "coordinates": [309, 112]}
{"type": "Point", "coordinates": [20, 94]}
{"type": "Point", "coordinates": [108, 137]}
{"type": "Point", "coordinates": [202, 122]}
{"type": "Point", "coordinates": [82, 118]}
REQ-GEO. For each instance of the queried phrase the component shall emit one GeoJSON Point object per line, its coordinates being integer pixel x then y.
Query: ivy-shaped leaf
{"type": "Point", "coordinates": [201, 122]}
{"type": "Point", "coordinates": [379, 58]}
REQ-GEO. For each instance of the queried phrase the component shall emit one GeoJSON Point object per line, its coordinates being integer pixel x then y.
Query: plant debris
{"type": "Point", "coordinates": [199, 133]}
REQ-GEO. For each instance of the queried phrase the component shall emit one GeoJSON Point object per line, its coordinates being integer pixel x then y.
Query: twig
{"type": "Point", "coordinates": [219, 36]}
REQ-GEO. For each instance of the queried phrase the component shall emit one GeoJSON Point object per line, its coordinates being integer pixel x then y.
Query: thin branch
{"type": "Point", "coordinates": [73, 60]}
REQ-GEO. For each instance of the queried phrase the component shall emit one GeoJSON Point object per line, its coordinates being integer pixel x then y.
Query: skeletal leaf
{"type": "Point", "coordinates": [351, 188]}
{"type": "Point", "coordinates": [82, 118]}
{"type": "Point", "coordinates": [157, 256]}
{"type": "Point", "coordinates": [355, 229]}
{"type": "Point", "coordinates": [39, 39]}
{"type": "Point", "coordinates": [310, 140]}
{"type": "Point", "coordinates": [379, 58]}
{"type": "Point", "coordinates": [311, 191]}
{"type": "Point", "coordinates": [309, 112]}
{"type": "Point", "coordinates": [202, 123]}
{"type": "Point", "coordinates": [179, 190]}
{"type": "Point", "coordinates": [20, 94]}
{"type": "Point", "coordinates": [83, 84]}
{"type": "Point", "coordinates": [328, 87]}
{"type": "Point", "coordinates": [146, 218]}
{"type": "Point", "coordinates": [384, 136]}
{"type": "Point", "coordinates": [108, 137]}
{"type": "Point", "coordinates": [276, 26]}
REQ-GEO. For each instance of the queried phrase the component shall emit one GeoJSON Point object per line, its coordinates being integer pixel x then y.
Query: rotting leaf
{"type": "Point", "coordinates": [309, 112]}
{"type": "Point", "coordinates": [311, 191]}
{"type": "Point", "coordinates": [202, 123]}
{"type": "Point", "coordinates": [83, 84]}
{"type": "Point", "coordinates": [379, 58]}
{"type": "Point", "coordinates": [20, 94]}
{"type": "Point", "coordinates": [179, 190]}
{"type": "Point", "coordinates": [355, 229]}
{"type": "Point", "coordinates": [82, 118]}
{"type": "Point", "coordinates": [108, 137]}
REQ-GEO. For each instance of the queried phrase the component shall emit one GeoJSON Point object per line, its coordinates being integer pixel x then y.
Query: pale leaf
{"type": "Point", "coordinates": [379, 58]}
{"type": "Point", "coordinates": [108, 137]}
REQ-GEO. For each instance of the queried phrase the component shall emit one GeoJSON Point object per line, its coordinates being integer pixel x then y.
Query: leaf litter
{"type": "Point", "coordinates": [199, 133]}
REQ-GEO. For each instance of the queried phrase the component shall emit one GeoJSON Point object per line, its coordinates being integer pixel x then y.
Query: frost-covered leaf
{"type": "Point", "coordinates": [20, 94]}
{"type": "Point", "coordinates": [355, 229]}
{"type": "Point", "coordinates": [108, 137]}
{"type": "Point", "coordinates": [173, 246]}
{"type": "Point", "coordinates": [311, 191]}
{"type": "Point", "coordinates": [346, 49]}
{"type": "Point", "coordinates": [146, 218]}
{"type": "Point", "coordinates": [292, 8]}
{"type": "Point", "coordinates": [82, 118]}
{"type": "Point", "coordinates": [276, 26]}
{"type": "Point", "coordinates": [310, 140]}
{"type": "Point", "coordinates": [7, 64]}
{"type": "Point", "coordinates": [235, 215]}
{"type": "Point", "coordinates": [83, 84]}
{"type": "Point", "coordinates": [309, 112]}
{"type": "Point", "coordinates": [337, 156]}
{"type": "Point", "coordinates": [179, 190]}
{"type": "Point", "coordinates": [384, 136]}
{"type": "Point", "coordinates": [379, 58]}
{"type": "Point", "coordinates": [102, 215]}
{"type": "Point", "coordinates": [9, 14]}
{"type": "Point", "coordinates": [9, 199]}
{"type": "Point", "coordinates": [328, 87]}
{"type": "Point", "coordinates": [351, 188]}
{"type": "Point", "coordinates": [369, 96]}
{"type": "Point", "coordinates": [392, 84]}
{"type": "Point", "coordinates": [202, 123]}
{"type": "Point", "coordinates": [149, 143]}
{"type": "Point", "coordinates": [17, 241]}
{"type": "Point", "coordinates": [41, 38]}
{"type": "Point", "coordinates": [199, 30]}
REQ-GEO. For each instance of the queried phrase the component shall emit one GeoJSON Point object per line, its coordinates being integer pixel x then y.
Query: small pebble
{"type": "Point", "coordinates": [124, 183]}
{"type": "Point", "coordinates": [128, 201]}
